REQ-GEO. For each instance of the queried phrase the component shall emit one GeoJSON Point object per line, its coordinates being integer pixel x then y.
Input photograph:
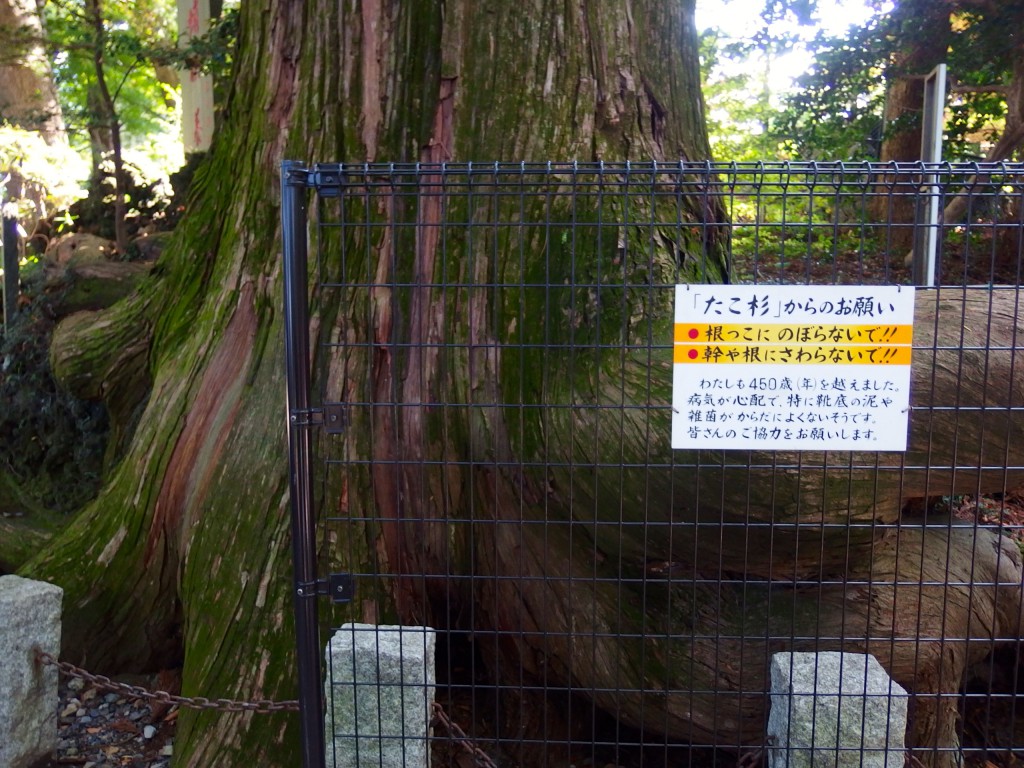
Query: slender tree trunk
{"type": "Point", "coordinates": [924, 27]}
{"type": "Point", "coordinates": [28, 96]}
{"type": "Point", "coordinates": [108, 121]}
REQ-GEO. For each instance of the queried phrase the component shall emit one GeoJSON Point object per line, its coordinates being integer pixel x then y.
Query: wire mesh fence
{"type": "Point", "coordinates": [480, 443]}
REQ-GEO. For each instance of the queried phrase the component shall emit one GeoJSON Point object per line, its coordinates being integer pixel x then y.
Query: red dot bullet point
{"type": "Point", "coordinates": [692, 354]}
{"type": "Point", "coordinates": [693, 333]}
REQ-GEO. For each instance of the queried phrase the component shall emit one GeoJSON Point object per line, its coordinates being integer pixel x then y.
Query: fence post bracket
{"type": "Point", "coordinates": [341, 587]}
{"type": "Point", "coordinates": [335, 418]}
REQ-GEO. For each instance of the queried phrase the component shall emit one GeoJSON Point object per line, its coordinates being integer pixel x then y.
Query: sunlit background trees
{"type": "Point", "coordinates": [844, 80]}
{"type": "Point", "coordinates": [783, 80]}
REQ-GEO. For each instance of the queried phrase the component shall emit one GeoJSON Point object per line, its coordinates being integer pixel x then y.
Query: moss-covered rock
{"type": "Point", "coordinates": [84, 272]}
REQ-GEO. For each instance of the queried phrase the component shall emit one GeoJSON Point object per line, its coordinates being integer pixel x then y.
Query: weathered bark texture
{"type": "Point", "coordinates": [963, 382]}
{"type": "Point", "coordinates": [664, 591]}
{"type": "Point", "coordinates": [102, 355]}
{"type": "Point", "coordinates": [190, 536]}
{"type": "Point", "coordinates": [28, 97]}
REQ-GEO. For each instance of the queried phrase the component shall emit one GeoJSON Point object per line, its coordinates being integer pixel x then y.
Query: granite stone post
{"type": "Point", "coordinates": [29, 621]}
{"type": "Point", "coordinates": [380, 691]}
{"type": "Point", "coordinates": [835, 710]}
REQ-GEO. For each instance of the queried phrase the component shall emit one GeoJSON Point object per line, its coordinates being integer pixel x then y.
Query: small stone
{"type": "Point", "coordinates": [148, 732]}
{"type": "Point", "coordinates": [167, 751]}
{"type": "Point", "coordinates": [76, 684]}
{"type": "Point", "coordinates": [81, 712]}
{"type": "Point", "coordinates": [110, 698]}
{"type": "Point", "coordinates": [89, 695]}
{"type": "Point", "coordinates": [137, 714]}
{"type": "Point", "coordinates": [70, 709]}
{"type": "Point", "coordinates": [85, 720]}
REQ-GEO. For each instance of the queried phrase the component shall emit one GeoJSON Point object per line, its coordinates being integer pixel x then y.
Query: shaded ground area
{"type": "Point", "coordinates": [99, 728]}
{"type": "Point", "coordinates": [576, 734]}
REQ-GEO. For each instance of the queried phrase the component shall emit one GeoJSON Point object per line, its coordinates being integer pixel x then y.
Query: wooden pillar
{"type": "Point", "coordinates": [196, 88]}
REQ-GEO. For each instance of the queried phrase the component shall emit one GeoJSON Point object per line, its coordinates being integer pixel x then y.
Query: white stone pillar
{"type": "Point", "coordinates": [380, 692]}
{"type": "Point", "coordinates": [29, 621]}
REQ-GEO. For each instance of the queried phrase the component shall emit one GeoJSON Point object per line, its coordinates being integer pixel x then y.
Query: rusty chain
{"type": "Point", "coordinates": [440, 717]}
{"type": "Point", "coordinates": [459, 737]}
{"type": "Point", "coordinates": [192, 702]}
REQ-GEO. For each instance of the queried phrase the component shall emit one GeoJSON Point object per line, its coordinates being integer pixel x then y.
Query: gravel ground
{"type": "Point", "coordinates": [102, 728]}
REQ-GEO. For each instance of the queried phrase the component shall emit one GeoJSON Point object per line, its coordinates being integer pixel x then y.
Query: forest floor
{"type": "Point", "coordinates": [98, 728]}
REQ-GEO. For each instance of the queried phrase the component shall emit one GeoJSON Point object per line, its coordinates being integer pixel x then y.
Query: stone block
{"type": "Point", "coordinates": [380, 689]}
{"type": "Point", "coordinates": [29, 620]}
{"type": "Point", "coordinates": [835, 710]}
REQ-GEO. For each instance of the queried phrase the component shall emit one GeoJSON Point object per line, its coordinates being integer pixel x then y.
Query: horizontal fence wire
{"type": "Point", "coordinates": [499, 338]}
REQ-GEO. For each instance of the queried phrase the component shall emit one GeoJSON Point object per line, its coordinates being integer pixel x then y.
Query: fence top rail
{"type": "Point", "coordinates": [314, 173]}
{"type": "Point", "coordinates": [659, 177]}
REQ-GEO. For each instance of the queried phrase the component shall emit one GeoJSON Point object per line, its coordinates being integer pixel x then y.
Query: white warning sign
{"type": "Point", "coordinates": [782, 367]}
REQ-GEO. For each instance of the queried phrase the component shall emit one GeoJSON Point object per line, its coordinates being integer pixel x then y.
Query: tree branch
{"type": "Point", "coordinates": [991, 88]}
{"type": "Point", "coordinates": [127, 72]}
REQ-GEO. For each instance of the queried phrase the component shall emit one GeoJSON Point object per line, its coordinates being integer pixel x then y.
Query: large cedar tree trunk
{"type": "Point", "coordinates": [186, 551]}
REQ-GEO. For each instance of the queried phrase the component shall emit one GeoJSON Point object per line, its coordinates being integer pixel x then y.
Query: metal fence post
{"type": "Point", "coordinates": [927, 214]}
{"type": "Point", "coordinates": [10, 239]}
{"type": "Point", "coordinates": [296, 321]}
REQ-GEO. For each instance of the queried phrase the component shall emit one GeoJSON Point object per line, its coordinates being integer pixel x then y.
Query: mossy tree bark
{"type": "Point", "coordinates": [187, 549]}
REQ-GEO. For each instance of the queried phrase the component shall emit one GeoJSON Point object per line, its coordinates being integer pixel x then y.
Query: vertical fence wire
{"type": "Point", "coordinates": [499, 340]}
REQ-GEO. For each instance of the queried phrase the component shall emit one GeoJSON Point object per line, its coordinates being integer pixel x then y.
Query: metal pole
{"type": "Point", "coordinates": [10, 237]}
{"type": "Point", "coordinates": [926, 225]}
{"type": "Point", "coordinates": [296, 344]}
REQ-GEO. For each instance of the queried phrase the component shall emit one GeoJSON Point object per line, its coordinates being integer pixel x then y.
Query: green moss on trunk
{"type": "Point", "coordinates": [186, 553]}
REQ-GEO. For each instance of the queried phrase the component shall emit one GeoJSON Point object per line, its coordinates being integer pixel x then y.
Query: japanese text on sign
{"type": "Point", "coordinates": [792, 367]}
